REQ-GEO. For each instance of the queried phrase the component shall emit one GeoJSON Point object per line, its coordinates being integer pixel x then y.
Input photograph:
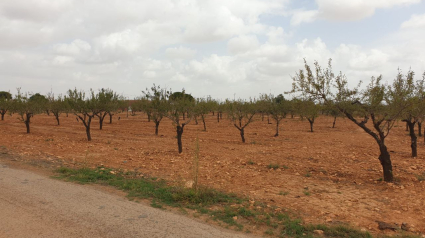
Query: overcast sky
{"type": "Point", "coordinates": [222, 48]}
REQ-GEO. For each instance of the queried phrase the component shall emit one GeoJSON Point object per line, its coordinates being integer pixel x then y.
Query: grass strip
{"type": "Point", "coordinates": [229, 209]}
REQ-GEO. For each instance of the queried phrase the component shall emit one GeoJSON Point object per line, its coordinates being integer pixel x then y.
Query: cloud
{"type": "Point", "coordinates": [211, 47]}
{"type": "Point", "coordinates": [345, 10]}
{"type": "Point", "coordinates": [415, 22]}
{"type": "Point", "coordinates": [242, 44]}
{"type": "Point", "coordinates": [180, 53]}
{"type": "Point", "coordinates": [302, 16]}
{"type": "Point", "coordinates": [76, 47]}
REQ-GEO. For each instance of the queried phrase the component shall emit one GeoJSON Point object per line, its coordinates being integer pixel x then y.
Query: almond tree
{"type": "Point", "coordinates": [84, 108]}
{"type": "Point", "coordinates": [241, 114]}
{"type": "Point", "coordinates": [108, 103]}
{"type": "Point", "coordinates": [310, 110]}
{"type": "Point", "coordinates": [179, 104]}
{"type": "Point", "coordinates": [332, 111]}
{"type": "Point", "coordinates": [5, 103]}
{"type": "Point", "coordinates": [373, 103]}
{"type": "Point", "coordinates": [202, 108]}
{"type": "Point", "coordinates": [412, 96]}
{"type": "Point", "coordinates": [57, 106]}
{"type": "Point", "coordinates": [155, 104]}
{"type": "Point", "coordinates": [276, 107]}
{"type": "Point", "coordinates": [26, 108]}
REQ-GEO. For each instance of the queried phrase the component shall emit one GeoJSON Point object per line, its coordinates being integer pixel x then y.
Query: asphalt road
{"type": "Point", "coordinates": [33, 205]}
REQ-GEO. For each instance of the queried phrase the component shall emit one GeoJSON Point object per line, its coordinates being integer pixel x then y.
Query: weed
{"type": "Point", "coordinates": [227, 216]}
{"type": "Point", "coordinates": [421, 177]}
{"type": "Point", "coordinates": [269, 232]}
{"type": "Point", "coordinates": [283, 193]}
{"type": "Point", "coordinates": [115, 148]}
{"type": "Point", "coordinates": [250, 162]}
{"type": "Point", "coordinates": [307, 175]}
{"type": "Point", "coordinates": [196, 165]}
{"type": "Point", "coordinates": [155, 205]}
{"type": "Point", "coordinates": [49, 139]}
{"type": "Point", "coordinates": [203, 210]}
{"type": "Point", "coordinates": [253, 142]}
{"type": "Point", "coordinates": [202, 200]}
{"type": "Point", "coordinates": [273, 166]}
{"type": "Point", "coordinates": [108, 142]}
{"type": "Point", "coordinates": [307, 193]}
{"type": "Point", "coordinates": [285, 167]}
{"type": "Point", "coordinates": [245, 212]}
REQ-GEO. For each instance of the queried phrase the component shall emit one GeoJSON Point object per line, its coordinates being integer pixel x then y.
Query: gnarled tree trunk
{"type": "Point", "coordinates": [179, 137]}
{"type": "Point", "coordinates": [385, 160]}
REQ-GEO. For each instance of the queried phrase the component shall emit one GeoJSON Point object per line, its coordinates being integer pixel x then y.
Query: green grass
{"type": "Point", "coordinates": [273, 166]}
{"type": "Point", "coordinates": [421, 177]}
{"type": "Point", "coordinates": [228, 209]}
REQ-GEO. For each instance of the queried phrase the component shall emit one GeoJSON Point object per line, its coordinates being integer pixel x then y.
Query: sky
{"type": "Point", "coordinates": [218, 48]}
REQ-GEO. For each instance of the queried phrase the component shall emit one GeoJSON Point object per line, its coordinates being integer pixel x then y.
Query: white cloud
{"type": "Point", "coordinates": [303, 16]}
{"type": "Point", "coordinates": [180, 53]}
{"type": "Point", "coordinates": [416, 22]}
{"type": "Point", "coordinates": [128, 45]}
{"type": "Point", "coordinates": [242, 44]}
{"type": "Point", "coordinates": [345, 10]}
{"type": "Point", "coordinates": [76, 47]}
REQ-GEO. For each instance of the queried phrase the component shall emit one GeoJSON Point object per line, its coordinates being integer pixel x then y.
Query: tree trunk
{"type": "Point", "coordinates": [413, 138]}
{"type": "Point", "coordinates": [196, 120]}
{"type": "Point", "coordinates": [203, 121]}
{"type": "Point", "coordinates": [184, 117]}
{"type": "Point", "coordinates": [242, 134]}
{"type": "Point", "coordinates": [101, 122]}
{"type": "Point", "coordinates": [311, 124]}
{"type": "Point", "coordinates": [88, 128]}
{"type": "Point", "coordinates": [333, 124]}
{"type": "Point", "coordinates": [277, 129]}
{"type": "Point", "coordinates": [179, 138]}
{"type": "Point", "coordinates": [213, 113]}
{"type": "Point", "coordinates": [218, 117]}
{"type": "Point", "coordinates": [110, 118]}
{"type": "Point", "coordinates": [27, 123]}
{"type": "Point", "coordinates": [156, 127]}
{"type": "Point", "coordinates": [57, 117]}
{"type": "Point", "coordinates": [419, 129]}
{"type": "Point", "coordinates": [2, 116]}
{"type": "Point", "coordinates": [88, 133]}
{"type": "Point", "coordinates": [385, 160]}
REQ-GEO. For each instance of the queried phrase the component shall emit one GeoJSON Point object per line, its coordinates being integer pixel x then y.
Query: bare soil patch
{"type": "Point", "coordinates": [329, 176]}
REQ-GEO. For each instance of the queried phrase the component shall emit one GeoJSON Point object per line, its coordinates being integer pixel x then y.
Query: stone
{"type": "Point", "coordinates": [386, 226]}
{"type": "Point", "coordinates": [407, 227]}
{"type": "Point", "coordinates": [319, 232]}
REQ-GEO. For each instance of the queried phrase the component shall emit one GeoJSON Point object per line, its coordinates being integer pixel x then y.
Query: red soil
{"type": "Point", "coordinates": [338, 167]}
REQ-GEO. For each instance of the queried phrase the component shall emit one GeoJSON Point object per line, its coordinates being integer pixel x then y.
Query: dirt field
{"type": "Point", "coordinates": [329, 176]}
